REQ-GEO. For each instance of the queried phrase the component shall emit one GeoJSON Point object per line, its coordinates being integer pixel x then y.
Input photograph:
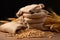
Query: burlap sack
{"type": "Point", "coordinates": [35, 15]}
{"type": "Point", "coordinates": [29, 8]}
{"type": "Point", "coordinates": [41, 20]}
{"type": "Point", "coordinates": [38, 26]}
{"type": "Point", "coordinates": [10, 27]}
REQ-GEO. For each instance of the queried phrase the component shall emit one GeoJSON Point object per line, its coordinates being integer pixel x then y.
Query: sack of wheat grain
{"type": "Point", "coordinates": [10, 27]}
{"type": "Point", "coordinates": [29, 9]}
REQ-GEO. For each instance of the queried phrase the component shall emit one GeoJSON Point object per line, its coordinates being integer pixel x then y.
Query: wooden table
{"type": "Point", "coordinates": [4, 36]}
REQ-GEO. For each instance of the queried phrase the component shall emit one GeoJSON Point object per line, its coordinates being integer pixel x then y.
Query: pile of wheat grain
{"type": "Point", "coordinates": [34, 33]}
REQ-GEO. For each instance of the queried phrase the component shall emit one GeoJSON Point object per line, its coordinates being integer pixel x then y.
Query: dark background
{"type": "Point", "coordinates": [10, 7]}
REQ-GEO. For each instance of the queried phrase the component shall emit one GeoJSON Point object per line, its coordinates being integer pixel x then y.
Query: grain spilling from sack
{"type": "Point", "coordinates": [34, 33]}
